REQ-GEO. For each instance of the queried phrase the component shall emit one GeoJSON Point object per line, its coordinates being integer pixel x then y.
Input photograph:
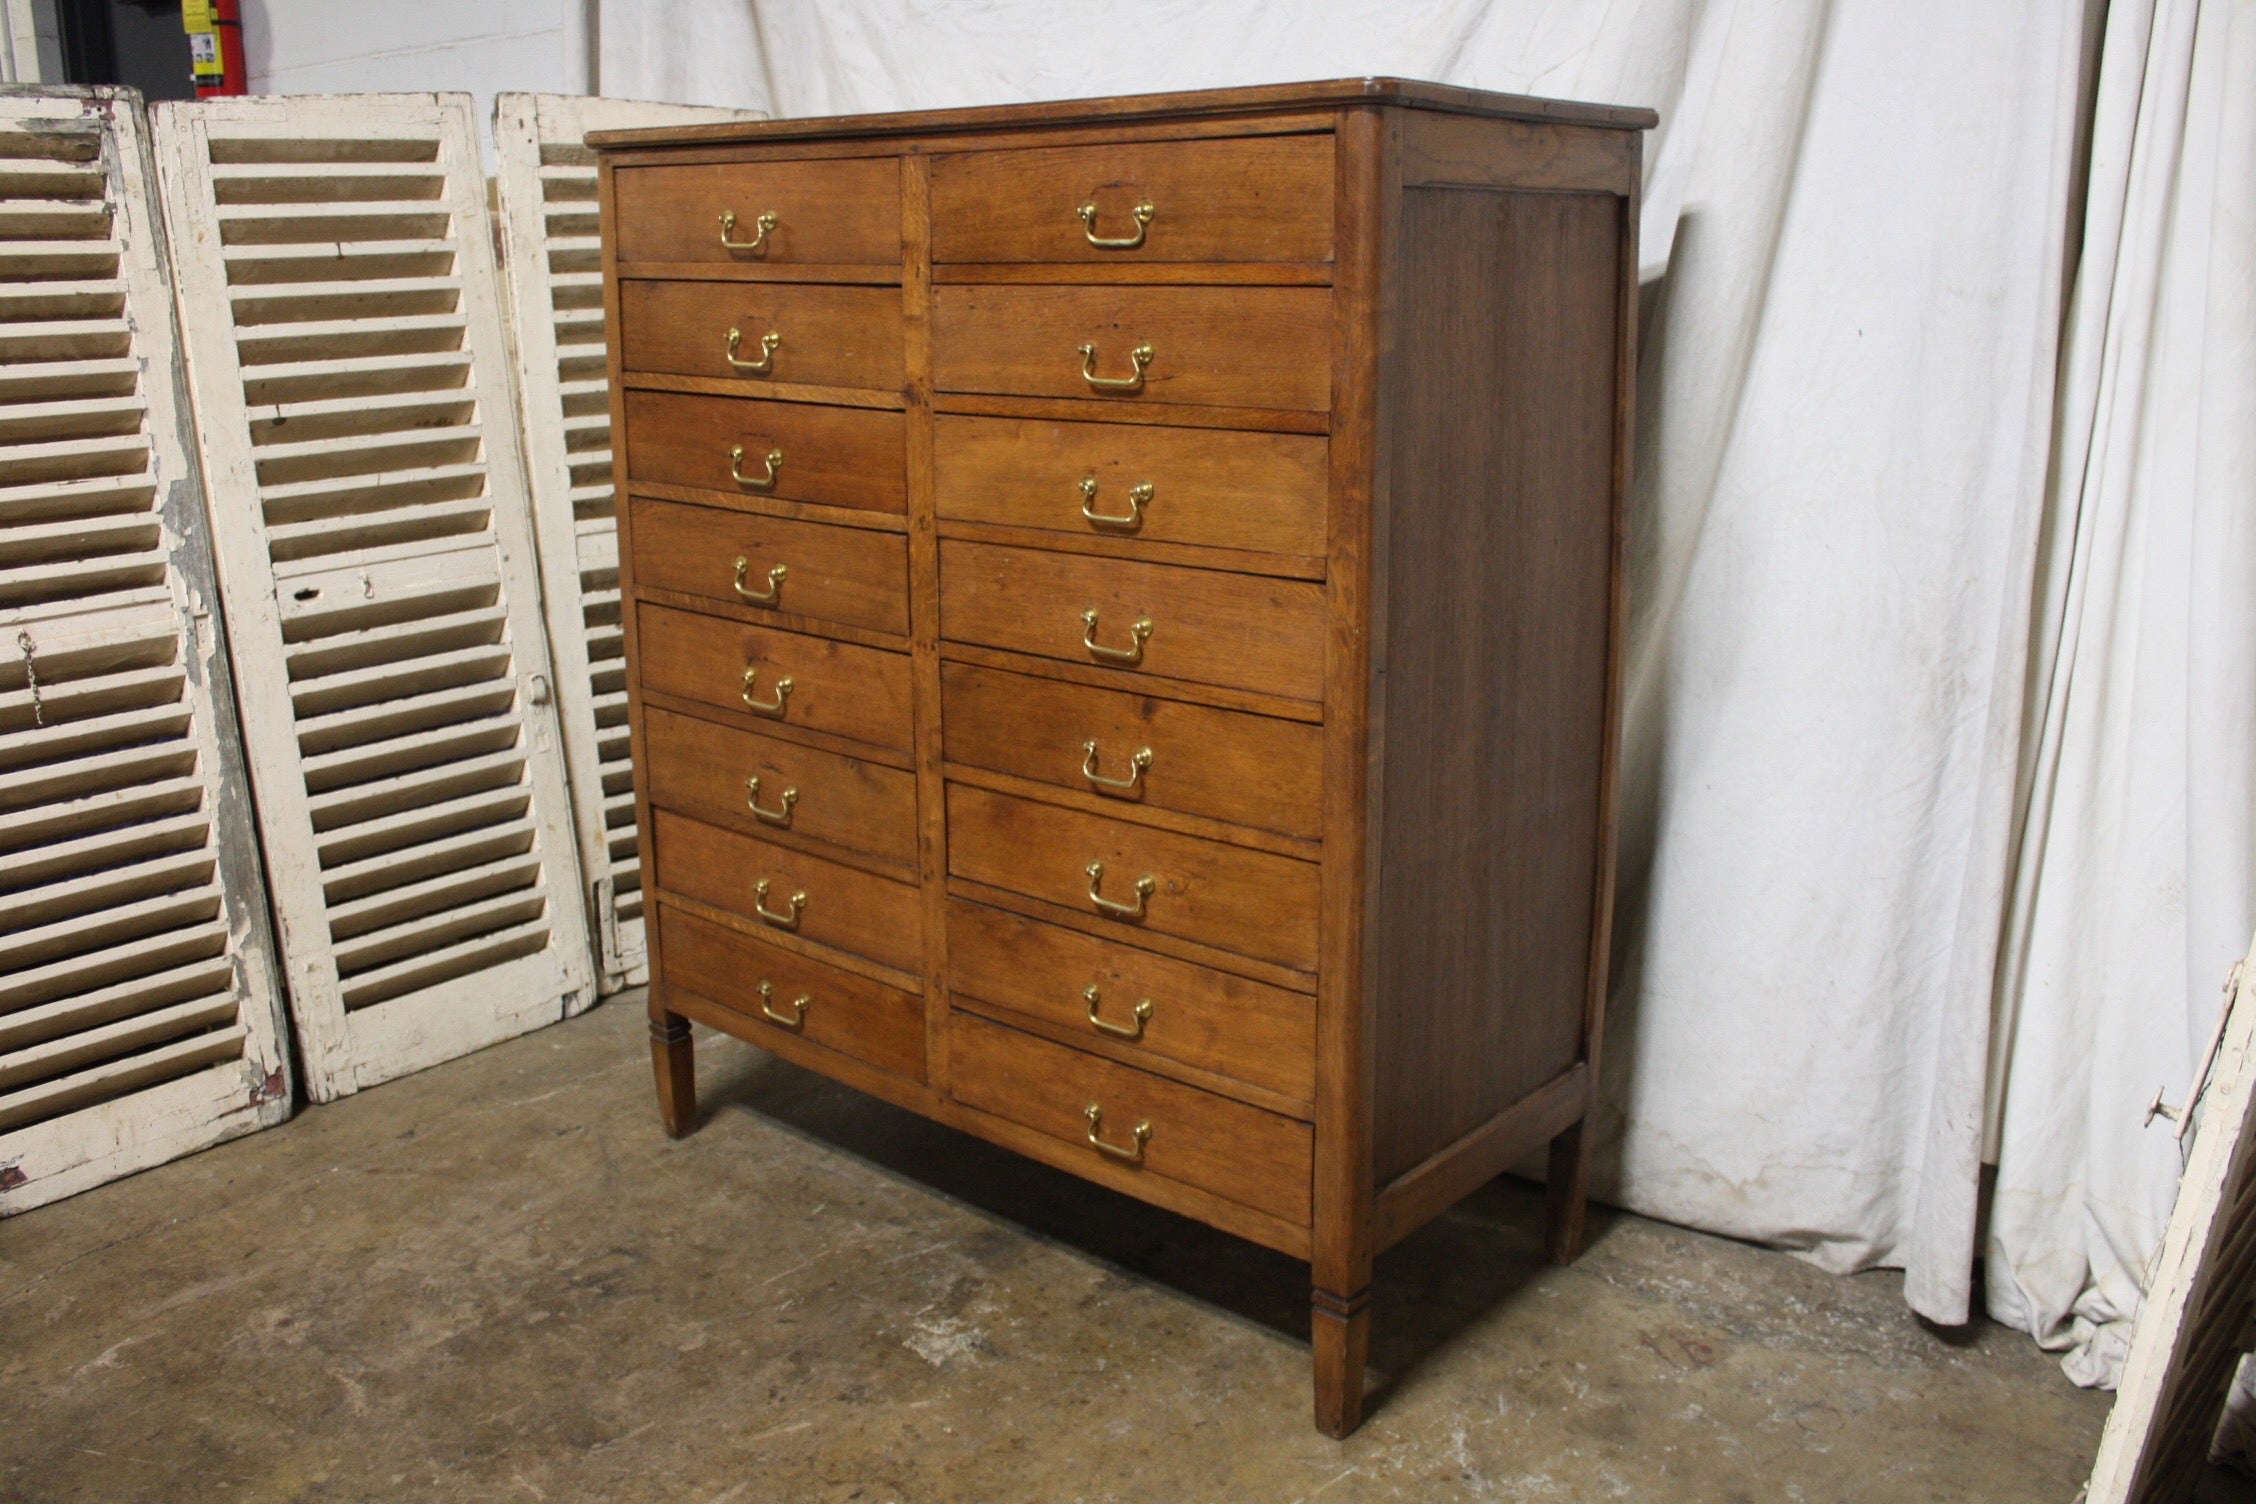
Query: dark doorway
{"type": "Point", "coordinates": [136, 42]}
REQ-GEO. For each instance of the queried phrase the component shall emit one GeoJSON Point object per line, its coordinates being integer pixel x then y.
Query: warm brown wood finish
{"type": "Point", "coordinates": [858, 693]}
{"type": "Point", "coordinates": [1249, 902]}
{"type": "Point", "coordinates": [840, 574]}
{"type": "Point", "coordinates": [825, 213]}
{"type": "Point", "coordinates": [1261, 492]}
{"type": "Point", "coordinates": [788, 991]}
{"type": "Point", "coordinates": [824, 336]}
{"type": "Point", "coordinates": [780, 791]}
{"type": "Point", "coordinates": [1242, 630]}
{"type": "Point", "coordinates": [833, 456]}
{"type": "Point", "coordinates": [1197, 1137]}
{"type": "Point", "coordinates": [1236, 346]}
{"type": "Point", "coordinates": [838, 906]}
{"type": "Point", "coordinates": [1149, 1010]}
{"type": "Point", "coordinates": [1248, 769]}
{"type": "Point", "coordinates": [1352, 541]}
{"type": "Point", "coordinates": [1248, 199]}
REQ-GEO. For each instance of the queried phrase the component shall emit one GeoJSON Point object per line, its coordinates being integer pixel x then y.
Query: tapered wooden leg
{"type": "Point", "coordinates": [1341, 1328]}
{"type": "Point", "coordinates": [674, 1058]}
{"type": "Point", "coordinates": [1566, 1189]}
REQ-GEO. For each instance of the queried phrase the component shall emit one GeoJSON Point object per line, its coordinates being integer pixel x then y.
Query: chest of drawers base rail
{"type": "Point", "coordinates": [1215, 797]}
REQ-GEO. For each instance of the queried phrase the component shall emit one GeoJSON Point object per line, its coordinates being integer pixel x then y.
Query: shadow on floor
{"type": "Point", "coordinates": [1433, 1287]}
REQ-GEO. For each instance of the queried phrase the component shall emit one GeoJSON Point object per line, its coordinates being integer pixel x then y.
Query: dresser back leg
{"type": "Point", "coordinates": [674, 1059]}
{"type": "Point", "coordinates": [1340, 1326]}
{"type": "Point", "coordinates": [1566, 1189]}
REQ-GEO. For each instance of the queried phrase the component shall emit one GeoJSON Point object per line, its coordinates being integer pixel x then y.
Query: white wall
{"type": "Point", "coordinates": [354, 46]}
{"type": "Point", "coordinates": [31, 47]}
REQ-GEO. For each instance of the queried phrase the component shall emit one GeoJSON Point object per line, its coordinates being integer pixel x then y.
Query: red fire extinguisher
{"type": "Point", "coordinates": [215, 46]}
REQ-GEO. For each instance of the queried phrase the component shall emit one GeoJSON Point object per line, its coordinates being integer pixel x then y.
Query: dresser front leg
{"type": "Point", "coordinates": [1340, 1326]}
{"type": "Point", "coordinates": [1566, 1191]}
{"type": "Point", "coordinates": [674, 1058]}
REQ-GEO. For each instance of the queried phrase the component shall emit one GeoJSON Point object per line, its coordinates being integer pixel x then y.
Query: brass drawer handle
{"type": "Point", "coordinates": [765, 707]}
{"type": "Point", "coordinates": [1137, 762]}
{"type": "Point", "coordinates": [1142, 1013]}
{"type": "Point", "coordinates": [1140, 357]}
{"type": "Point", "coordinates": [1088, 216]}
{"type": "Point", "coordinates": [780, 816]}
{"type": "Point", "coordinates": [1145, 887]}
{"type": "Point", "coordinates": [1138, 498]}
{"type": "Point", "coordinates": [1094, 1112]}
{"type": "Point", "coordinates": [1133, 653]}
{"type": "Point", "coordinates": [765, 597]}
{"type": "Point", "coordinates": [796, 1018]}
{"type": "Point", "coordinates": [760, 907]}
{"type": "Point", "coordinates": [758, 242]}
{"type": "Point", "coordinates": [765, 363]}
{"type": "Point", "coordinates": [765, 482]}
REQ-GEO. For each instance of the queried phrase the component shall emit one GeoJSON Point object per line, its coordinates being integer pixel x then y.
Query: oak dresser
{"type": "Point", "coordinates": [1123, 610]}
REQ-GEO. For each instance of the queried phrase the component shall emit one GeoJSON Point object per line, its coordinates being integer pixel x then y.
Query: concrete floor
{"type": "Point", "coordinates": [498, 1280]}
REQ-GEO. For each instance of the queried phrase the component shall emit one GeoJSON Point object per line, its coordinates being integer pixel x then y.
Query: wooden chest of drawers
{"type": "Point", "coordinates": [1124, 620]}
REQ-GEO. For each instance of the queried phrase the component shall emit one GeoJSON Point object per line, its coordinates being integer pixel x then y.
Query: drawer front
{"type": "Point", "coordinates": [825, 213]}
{"type": "Point", "coordinates": [1262, 492]}
{"type": "Point", "coordinates": [1193, 1137]}
{"type": "Point", "coordinates": [837, 456]}
{"type": "Point", "coordinates": [782, 992]}
{"type": "Point", "coordinates": [856, 692]}
{"type": "Point", "coordinates": [1248, 769]}
{"type": "Point", "coordinates": [1255, 199]}
{"type": "Point", "coordinates": [1250, 902]}
{"type": "Point", "coordinates": [852, 575]}
{"type": "Point", "coordinates": [1245, 631]}
{"type": "Point", "coordinates": [823, 336]}
{"type": "Point", "coordinates": [1192, 1015]}
{"type": "Point", "coordinates": [839, 906]}
{"type": "Point", "coordinates": [1225, 346]}
{"type": "Point", "coordinates": [757, 783]}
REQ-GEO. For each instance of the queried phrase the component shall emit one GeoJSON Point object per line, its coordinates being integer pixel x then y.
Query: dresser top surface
{"type": "Point", "coordinates": [1259, 99]}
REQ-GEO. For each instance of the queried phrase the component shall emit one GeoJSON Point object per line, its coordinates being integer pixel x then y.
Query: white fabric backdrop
{"type": "Point", "coordinates": [1846, 397]}
{"type": "Point", "coordinates": [2137, 877]}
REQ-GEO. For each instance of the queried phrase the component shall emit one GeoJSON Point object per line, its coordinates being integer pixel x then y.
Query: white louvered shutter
{"type": "Point", "coordinates": [552, 266]}
{"type": "Point", "coordinates": [338, 298]}
{"type": "Point", "coordinates": [140, 1013]}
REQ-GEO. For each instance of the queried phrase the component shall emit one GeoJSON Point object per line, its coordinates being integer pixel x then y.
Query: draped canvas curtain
{"type": "Point", "coordinates": [1857, 235]}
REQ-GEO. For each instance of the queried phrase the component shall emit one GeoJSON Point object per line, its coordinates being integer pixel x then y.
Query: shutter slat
{"type": "Point", "coordinates": [369, 504]}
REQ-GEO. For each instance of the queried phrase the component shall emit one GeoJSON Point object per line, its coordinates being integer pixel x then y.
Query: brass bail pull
{"type": "Point", "coordinates": [764, 482]}
{"type": "Point", "coordinates": [1141, 1013]}
{"type": "Point", "coordinates": [766, 363]}
{"type": "Point", "coordinates": [759, 706]}
{"type": "Point", "coordinates": [1138, 498]}
{"type": "Point", "coordinates": [1087, 214]}
{"type": "Point", "coordinates": [1141, 1133]}
{"type": "Point", "coordinates": [798, 1006]}
{"type": "Point", "coordinates": [759, 242]}
{"type": "Point", "coordinates": [1139, 357]}
{"type": "Point", "coordinates": [1145, 887]}
{"type": "Point", "coordinates": [766, 597]}
{"type": "Point", "coordinates": [777, 917]}
{"type": "Point", "coordinates": [1138, 633]}
{"type": "Point", "coordinates": [1139, 760]}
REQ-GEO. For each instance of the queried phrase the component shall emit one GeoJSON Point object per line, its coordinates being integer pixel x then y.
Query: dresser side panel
{"type": "Point", "coordinates": [1498, 618]}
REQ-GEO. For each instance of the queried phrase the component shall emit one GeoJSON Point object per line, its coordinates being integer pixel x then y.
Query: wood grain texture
{"type": "Point", "coordinates": [1128, 110]}
{"type": "Point", "coordinates": [1206, 626]}
{"type": "Point", "coordinates": [837, 1010]}
{"type": "Point", "coordinates": [1253, 491]}
{"type": "Point", "coordinates": [702, 769]}
{"type": "Point", "coordinates": [826, 212]}
{"type": "Point", "coordinates": [1250, 770]}
{"type": "Point", "coordinates": [846, 908]}
{"type": "Point", "coordinates": [1227, 1025]}
{"type": "Point", "coordinates": [1495, 721]}
{"type": "Point", "coordinates": [1459, 151]}
{"type": "Point", "coordinates": [855, 692]}
{"type": "Point", "coordinates": [831, 336]}
{"type": "Point", "coordinates": [1257, 1158]}
{"type": "Point", "coordinates": [1252, 902]}
{"type": "Point", "coordinates": [842, 574]}
{"type": "Point", "coordinates": [1243, 199]}
{"type": "Point", "coordinates": [832, 456]}
{"type": "Point", "coordinates": [1234, 346]}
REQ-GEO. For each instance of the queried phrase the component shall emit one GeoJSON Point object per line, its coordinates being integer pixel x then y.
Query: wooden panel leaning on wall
{"type": "Point", "coordinates": [1219, 760]}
